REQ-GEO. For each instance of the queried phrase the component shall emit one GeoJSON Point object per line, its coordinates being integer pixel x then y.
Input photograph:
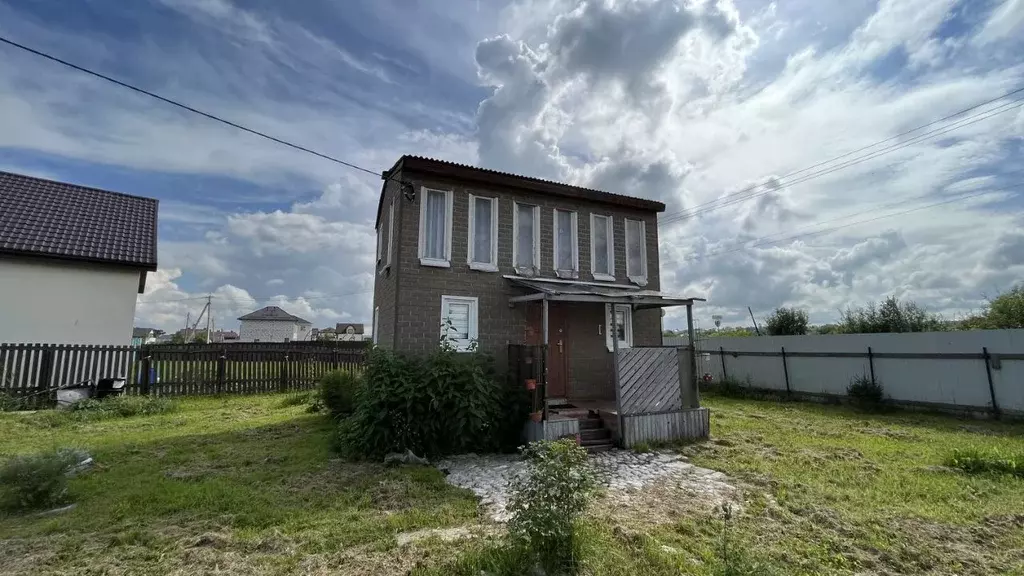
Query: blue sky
{"type": "Point", "coordinates": [681, 101]}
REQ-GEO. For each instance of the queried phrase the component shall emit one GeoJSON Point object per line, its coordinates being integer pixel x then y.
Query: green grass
{"type": "Point", "coordinates": [249, 485]}
{"type": "Point", "coordinates": [240, 483]}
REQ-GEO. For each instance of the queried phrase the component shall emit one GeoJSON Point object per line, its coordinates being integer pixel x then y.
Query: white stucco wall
{"type": "Point", "coordinates": [54, 302]}
{"type": "Point", "coordinates": [272, 331]}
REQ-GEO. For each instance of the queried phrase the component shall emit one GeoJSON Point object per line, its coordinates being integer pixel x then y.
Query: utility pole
{"type": "Point", "coordinates": [209, 315]}
{"type": "Point", "coordinates": [756, 329]}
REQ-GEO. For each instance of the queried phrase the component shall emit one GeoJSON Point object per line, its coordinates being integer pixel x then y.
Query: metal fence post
{"type": "Point", "coordinates": [222, 362]}
{"type": "Point", "coordinates": [145, 371]}
{"type": "Point", "coordinates": [991, 386]}
{"type": "Point", "coordinates": [721, 354]}
{"type": "Point", "coordinates": [785, 369]}
{"type": "Point", "coordinates": [283, 383]}
{"type": "Point", "coordinates": [871, 364]}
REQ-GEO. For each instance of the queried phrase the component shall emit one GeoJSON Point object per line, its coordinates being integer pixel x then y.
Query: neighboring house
{"type": "Point", "coordinates": [349, 332]}
{"type": "Point", "coordinates": [142, 336]}
{"type": "Point", "coordinates": [503, 259]}
{"type": "Point", "coordinates": [272, 324]}
{"type": "Point", "coordinates": [72, 261]}
{"type": "Point", "coordinates": [219, 336]}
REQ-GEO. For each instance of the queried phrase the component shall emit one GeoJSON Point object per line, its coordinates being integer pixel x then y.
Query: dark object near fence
{"type": "Point", "coordinates": [33, 372]}
{"type": "Point", "coordinates": [106, 387]}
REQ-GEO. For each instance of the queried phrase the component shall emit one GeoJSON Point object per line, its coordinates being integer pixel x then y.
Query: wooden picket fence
{"type": "Point", "coordinates": [34, 371]}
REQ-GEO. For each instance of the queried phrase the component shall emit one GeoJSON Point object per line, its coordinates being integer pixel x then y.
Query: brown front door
{"type": "Point", "coordinates": [558, 343]}
{"type": "Point", "coordinates": [558, 350]}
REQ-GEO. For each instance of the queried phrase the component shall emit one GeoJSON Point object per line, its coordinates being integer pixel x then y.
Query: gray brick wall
{"type": "Point", "coordinates": [409, 295]}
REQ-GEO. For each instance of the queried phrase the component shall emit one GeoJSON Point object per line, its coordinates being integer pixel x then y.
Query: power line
{"type": "Point", "coordinates": [928, 135]}
{"type": "Point", "coordinates": [763, 241]}
{"type": "Point", "coordinates": [187, 107]}
{"type": "Point", "coordinates": [695, 210]}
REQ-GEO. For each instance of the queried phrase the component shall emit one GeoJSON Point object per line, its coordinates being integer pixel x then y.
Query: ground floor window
{"type": "Point", "coordinates": [624, 325]}
{"type": "Point", "coordinates": [376, 324]}
{"type": "Point", "coordinates": [459, 321]}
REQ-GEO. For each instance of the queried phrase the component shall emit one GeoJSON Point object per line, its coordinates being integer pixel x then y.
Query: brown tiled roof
{"type": "Point", "coordinates": [273, 313]}
{"type": "Point", "coordinates": [487, 176]}
{"type": "Point", "coordinates": [50, 219]}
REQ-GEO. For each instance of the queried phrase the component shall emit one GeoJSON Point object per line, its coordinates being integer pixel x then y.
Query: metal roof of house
{"type": "Point", "coordinates": [49, 219]}
{"type": "Point", "coordinates": [273, 313]}
{"type": "Point", "coordinates": [578, 291]}
{"type": "Point", "coordinates": [466, 172]}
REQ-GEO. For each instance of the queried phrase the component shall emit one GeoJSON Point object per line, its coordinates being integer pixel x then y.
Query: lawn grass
{"type": "Point", "coordinates": [249, 485]}
{"type": "Point", "coordinates": [238, 483]}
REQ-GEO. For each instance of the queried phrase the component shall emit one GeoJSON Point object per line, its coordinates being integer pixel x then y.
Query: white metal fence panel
{"type": "Point", "coordinates": [942, 368]}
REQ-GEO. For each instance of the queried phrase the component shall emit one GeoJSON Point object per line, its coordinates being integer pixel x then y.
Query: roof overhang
{"type": "Point", "coordinates": [578, 291]}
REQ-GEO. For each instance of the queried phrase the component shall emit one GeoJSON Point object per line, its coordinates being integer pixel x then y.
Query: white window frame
{"type": "Point", "coordinates": [376, 324]}
{"type": "Point", "coordinates": [608, 330]}
{"type": "Point", "coordinates": [491, 266]}
{"type": "Point", "coordinates": [380, 244]}
{"type": "Point", "coordinates": [610, 230]}
{"type": "Point", "coordinates": [533, 271]}
{"type": "Point", "coordinates": [391, 233]}
{"type": "Point", "coordinates": [638, 277]}
{"type": "Point", "coordinates": [462, 345]}
{"type": "Point", "coordinates": [437, 262]}
{"type": "Point", "coordinates": [574, 224]}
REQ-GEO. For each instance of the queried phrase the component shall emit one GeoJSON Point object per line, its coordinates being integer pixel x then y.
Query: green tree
{"type": "Point", "coordinates": [891, 316]}
{"type": "Point", "coordinates": [787, 322]}
{"type": "Point", "coordinates": [1003, 312]}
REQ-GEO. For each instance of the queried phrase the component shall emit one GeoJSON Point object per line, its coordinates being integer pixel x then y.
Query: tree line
{"type": "Point", "coordinates": [891, 315]}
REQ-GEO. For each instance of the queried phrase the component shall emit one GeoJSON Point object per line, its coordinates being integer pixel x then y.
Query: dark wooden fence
{"type": "Point", "coordinates": [33, 371]}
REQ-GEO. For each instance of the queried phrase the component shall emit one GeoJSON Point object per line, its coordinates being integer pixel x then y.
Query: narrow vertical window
{"type": "Point", "coordinates": [483, 233]}
{"type": "Point", "coordinates": [622, 327]}
{"type": "Point", "coordinates": [566, 248]}
{"type": "Point", "coordinates": [636, 252]}
{"type": "Point", "coordinates": [602, 248]}
{"type": "Point", "coordinates": [376, 324]}
{"type": "Point", "coordinates": [391, 232]}
{"type": "Point", "coordinates": [526, 248]}
{"type": "Point", "coordinates": [435, 227]}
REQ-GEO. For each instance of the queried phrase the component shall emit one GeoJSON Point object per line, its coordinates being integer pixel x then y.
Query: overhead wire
{"type": "Point", "coordinates": [723, 201]}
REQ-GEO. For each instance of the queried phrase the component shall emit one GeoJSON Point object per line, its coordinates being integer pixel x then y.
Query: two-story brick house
{"type": "Point", "coordinates": [495, 259]}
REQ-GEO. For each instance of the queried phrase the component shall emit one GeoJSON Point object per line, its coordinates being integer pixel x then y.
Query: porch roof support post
{"type": "Point", "coordinates": [615, 370]}
{"type": "Point", "coordinates": [692, 384]}
{"type": "Point", "coordinates": [544, 398]}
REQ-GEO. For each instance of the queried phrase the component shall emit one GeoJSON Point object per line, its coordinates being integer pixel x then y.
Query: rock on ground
{"type": "Point", "coordinates": [619, 471]}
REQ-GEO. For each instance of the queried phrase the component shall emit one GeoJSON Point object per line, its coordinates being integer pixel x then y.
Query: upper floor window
{"type": "Point", "coordinates": [602, 247]}
{"type": "Point", "coordinates": [526, 246]}
{"type": "Point", "coordinates": [483, 233]}
{"type": "Point", "coordinates": [380, 243]}
{"type": "Point", "coordinates": [391, 232]}
{"type": "Point", "coordinates": [636, 252]}
{"type": "Point", "coordinates": [436, 227]}
{"type": "Point", "coordinates": [566, 256]}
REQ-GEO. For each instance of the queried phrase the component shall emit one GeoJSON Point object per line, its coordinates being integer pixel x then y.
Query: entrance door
{"type": "Point", "coordinates": [558, 343]}
{"type": "Point", "coordinates": [558, 350]}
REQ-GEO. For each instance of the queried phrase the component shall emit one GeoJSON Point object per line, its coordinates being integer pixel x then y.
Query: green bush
{"type": "Point", "coordinates": [296, 399]}
{"type": "Point", "coordinates": [866, 394]}
{"type": "Point", "coordinates": [977, 461]}
{"type": "Point", "coordinates": [546, 503]}
{"type": "Point", "coordinates": [36, 481]}
{"type": "Point", "coordinates": [10, 403]}
{"type": "Point", "coordinates": [444, 403]}
{"type": "Point", "coordinates": [338, 392]}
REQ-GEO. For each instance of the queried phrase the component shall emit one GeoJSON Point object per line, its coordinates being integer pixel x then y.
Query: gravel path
{"type": "Point", "coordinates": [617, 470]}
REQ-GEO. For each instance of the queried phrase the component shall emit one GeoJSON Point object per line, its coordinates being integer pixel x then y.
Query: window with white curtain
{"type": "Point", "coordinates": [391, 232]}
{"type": "Point", "coordinates": [566, 247]}
{"type": "Point", "coordinates": [526, 247]}
{"type": "Point", "coordinates": [636, 252]}
{"type": "Point", "coordinates": [435, 227]}
{"type": "Point", "coordinates": [459, 321]}
{"type": "Point", "coordinates": [602, 247]}
{"type": "Point", "coordinates": [483, 233]}
{"type": "Point", "coordinates": [623, 328]}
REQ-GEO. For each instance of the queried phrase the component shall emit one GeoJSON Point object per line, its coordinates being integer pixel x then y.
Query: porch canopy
{"type": "Point", "coordinates": [557, 290]}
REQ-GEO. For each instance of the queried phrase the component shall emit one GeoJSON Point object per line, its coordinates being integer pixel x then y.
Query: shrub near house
{"type": "Point", "coordinates": [444, 403]}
